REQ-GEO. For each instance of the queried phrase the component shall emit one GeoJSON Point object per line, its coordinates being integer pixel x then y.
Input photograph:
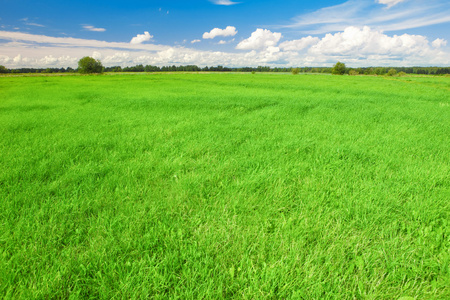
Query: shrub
{"type": "Point", "coordinates": [295, 71]}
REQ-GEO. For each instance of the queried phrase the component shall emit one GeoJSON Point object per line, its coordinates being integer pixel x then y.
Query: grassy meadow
{"type": "Point", "coordinates": [224, 186]}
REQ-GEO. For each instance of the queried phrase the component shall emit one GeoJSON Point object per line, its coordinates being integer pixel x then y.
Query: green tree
{"type": "Point", "coordinates": [3, 69]}
{"type": "Point", "coordinates": [338, 69]}
{"type": "Point", "coordinates": [392, 72]}
{"type": "Point", "coordinates": [380, 71]}
{"type": "Point", "coordinates": [295, 71]}
{"type": "Point", "coordinates": [89, 65]}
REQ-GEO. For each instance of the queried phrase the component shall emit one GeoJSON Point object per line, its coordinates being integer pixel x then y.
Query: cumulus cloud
{"type": "Point", "coordinates": [195, 41]}
{"type": "Point", "coordinates": [390, 3]}
{"type": "Point", "coordinates": [92, 28]}
{"type": "Point", "coordinates": [140, 38]}
{"type": "Point", "coordinates": [297, 45]}
{"type": "Point", "coordinates": [46, 61]}
{"type": "Point", "coordinates": [438, 43]}
{"type": "Point", "coordinates": [96, 55]}
{"type": "Point", "coordinates": [224, 2]}
{"type": "Point", "coordinates": [229, 31]}
{"type": "Point", "coordinates": [118, 58]}
{"type": "Point", "coordinates": [259, 40]}
{"type": "Point", "coordinates": [359, 42]}
{"type": "Point", "coordinates": [17, 59]}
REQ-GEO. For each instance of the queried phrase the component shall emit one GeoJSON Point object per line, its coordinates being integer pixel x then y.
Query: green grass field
{"type": "Point", "coordinates": [221, 186]}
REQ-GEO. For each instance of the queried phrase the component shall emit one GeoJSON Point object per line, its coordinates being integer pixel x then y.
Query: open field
{"type": "Point", "coordinates": [241, 186]}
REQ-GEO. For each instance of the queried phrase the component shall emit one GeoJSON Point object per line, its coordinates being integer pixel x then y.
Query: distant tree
{"type": "Point", "coordinates": [3, 69]}
{"type": "Point", "coordinates": [392, 72]}
{"type": "Point", "coordinates": [338, 69]}
{"type": "Point", "coordinates": [295, 71]}
{"type": "Point", "coordinates": [139, 68]}
{"type": "Point", "coordinates": [353, 73]}
{"type": "Point", "coordinates": [380, 71]}
{"type": "Point", "coordinates": [89, 65]}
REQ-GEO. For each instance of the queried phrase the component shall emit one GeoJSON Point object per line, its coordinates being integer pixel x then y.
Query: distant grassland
{"type": "Point", "coordinates": [210, 186]}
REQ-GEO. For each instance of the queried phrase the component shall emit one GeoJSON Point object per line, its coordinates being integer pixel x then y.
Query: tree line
{"type": "Point", "coordinates": [194, 68]}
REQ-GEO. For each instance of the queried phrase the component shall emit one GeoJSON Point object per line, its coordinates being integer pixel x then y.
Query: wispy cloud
{"type": "Point", "coordinates": [35, 24]}
{"type": "Point", "coordinates": [390, 3]}
{"type": "Point", "coordinates": [224, 2]}
{"type": "Point", "coordinates": [25, 20]}
{"type": "Point", "coordinates": [411, 14]}
{"type": "Point", "coordinates": [223, 42]}
{"type": "Point", "coordinates": [92, 28]}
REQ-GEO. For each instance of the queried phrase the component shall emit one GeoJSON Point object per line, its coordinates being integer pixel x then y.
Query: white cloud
{"type": "Point", "coordinates": [259, 40]}
{"type": "Point", "coordinates": [224, 2]}
{"type": "Point", "coordinates": [140, 38]}
{"type": "Point", "coordinates": [35, 24]}
{"type": "Point", "coordinates": [195, 41]}
{"type": "Point", "coordinates": [25, 20]}
{"type": "Point", "coordinates": [92, 28]}
{"type": "Point", "coordinates": [118, 58]}
{"type": "Point", "coordinates": [96, 55]}
{"type": "Point", "coordinates": [360, 42]}
{"type": "Point", "coordinates": [438, 43]}
{"type": "Point", "coordinates": [17, 59]}
{"type": "Point", "coordinates": [229, 31]}
{"type": "Point", "coordinates": [390, 3]}
{"type": "Point", "coordinates": [371, 47]}
{"type": "Point", "coordinates": [223, 42]}
{"type": "Point", "coordinates": [297, 45]}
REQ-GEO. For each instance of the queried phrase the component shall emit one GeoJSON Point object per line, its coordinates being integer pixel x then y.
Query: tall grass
{"type": "Point", "coordinates": [224, 186]}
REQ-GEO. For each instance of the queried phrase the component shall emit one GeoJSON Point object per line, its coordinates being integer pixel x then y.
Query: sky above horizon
{"type": "Point", "coordinates": [51, 33]}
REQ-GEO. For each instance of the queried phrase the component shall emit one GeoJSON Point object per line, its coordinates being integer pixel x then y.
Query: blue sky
{"type": "Point", "coordinates": [52, 33]}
